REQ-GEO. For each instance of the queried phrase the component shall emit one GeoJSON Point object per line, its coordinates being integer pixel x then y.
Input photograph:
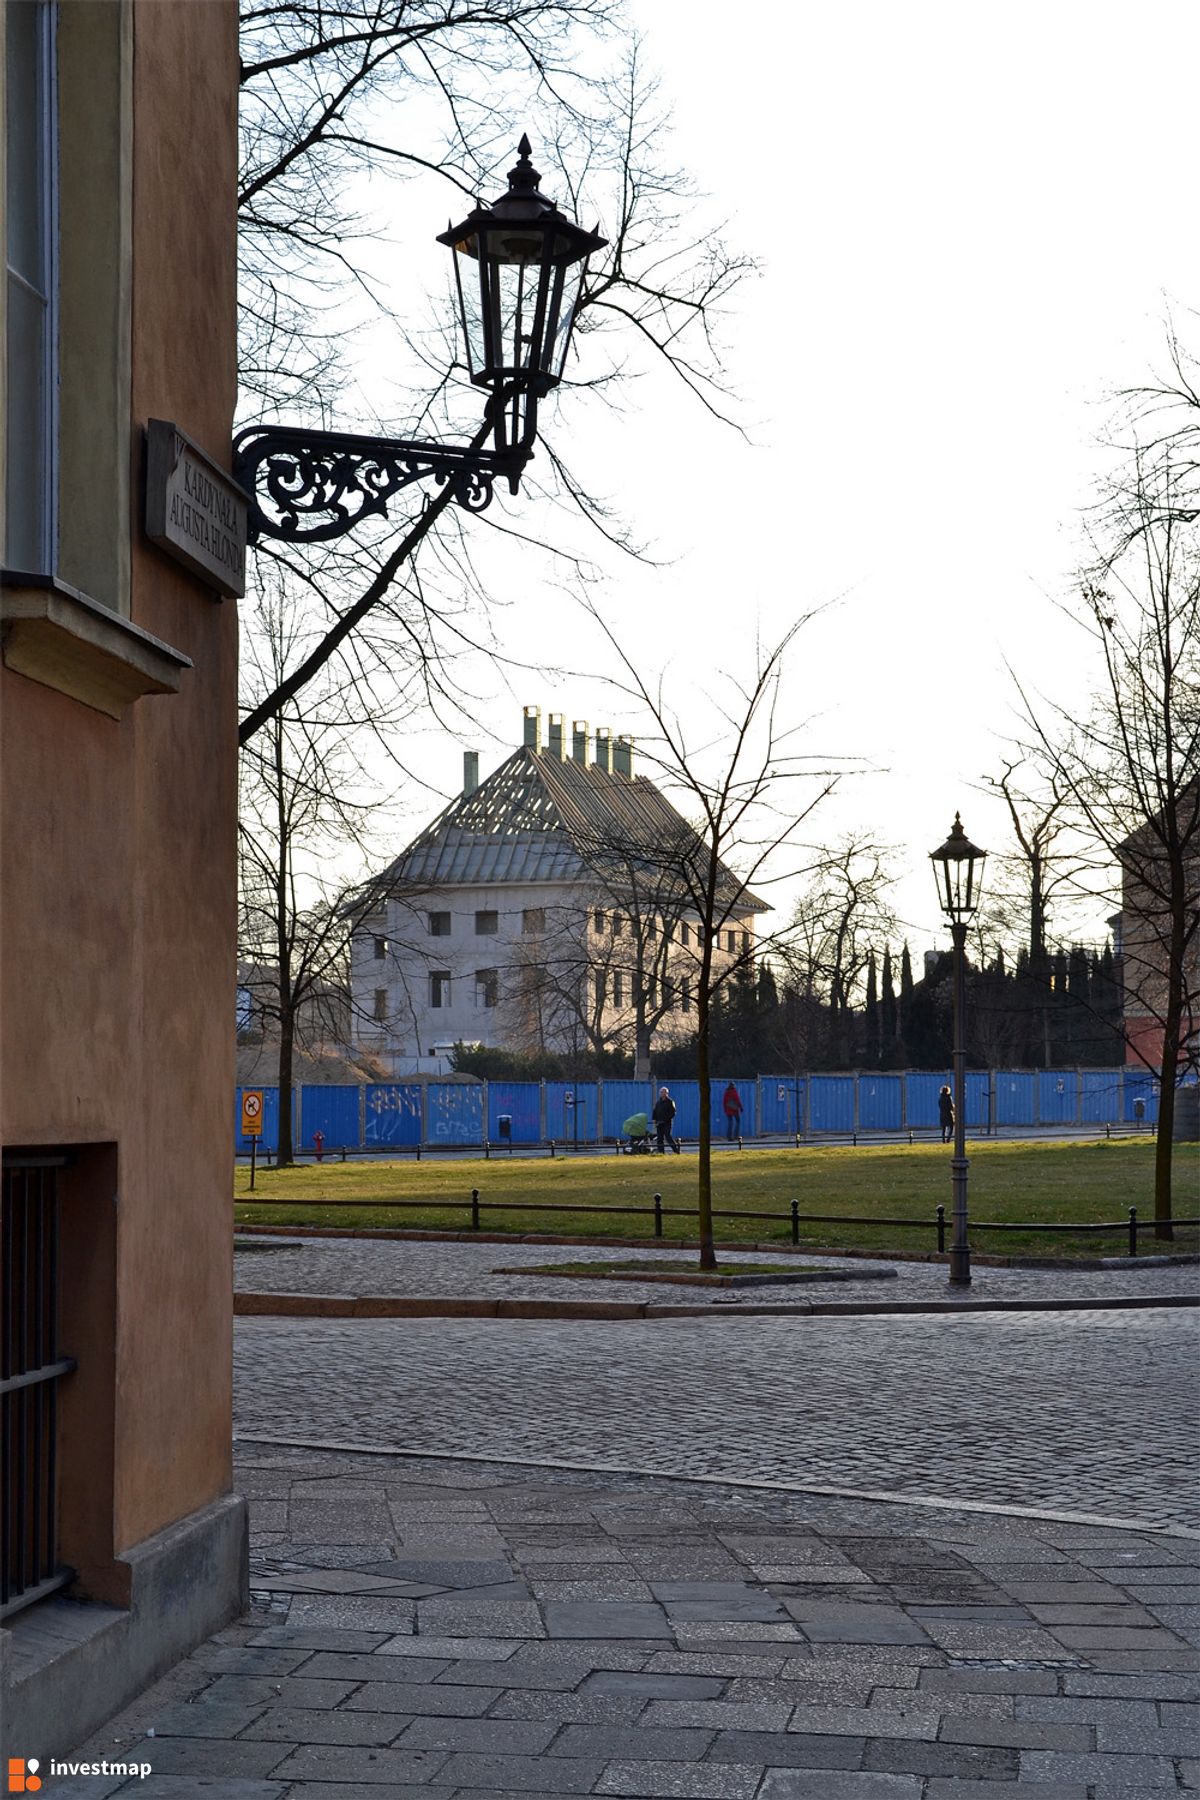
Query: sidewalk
{"type": "Point", "coordinates": [466, 1632]}
{"type": "Point", "coordinates": [451, 1278]}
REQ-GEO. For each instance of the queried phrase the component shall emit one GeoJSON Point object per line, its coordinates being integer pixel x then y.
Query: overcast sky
{"type": "Point", "coordinates": [972, 224]}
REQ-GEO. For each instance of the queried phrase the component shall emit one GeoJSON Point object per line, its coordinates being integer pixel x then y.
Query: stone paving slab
{"type": "Point", "coordinates": [629, 1710]}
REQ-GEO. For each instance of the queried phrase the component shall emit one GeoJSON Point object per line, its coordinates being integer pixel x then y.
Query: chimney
{"type": "Point", "coordinates": [470, 771]}
{"type": "Point", "coordinates": [554, 745]}
{"type": "Point", "coordinates": [579, 741]}
{"type": "Point", "coordinates": [623, 757]}
{"type": "Point", "coordinates": [533, 728]}
{"type": "Point", "coordinates": [603, 757]}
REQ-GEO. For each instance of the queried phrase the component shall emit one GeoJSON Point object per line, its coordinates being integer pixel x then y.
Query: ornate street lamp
{"type": "Point", "coordinates": [958, 870]}
{"type": "Point", "coordinates": [519, 268]}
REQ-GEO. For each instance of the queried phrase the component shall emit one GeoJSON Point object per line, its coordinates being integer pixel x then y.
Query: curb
{"type": "Point", "coordinates": [889, 1496]}
{"type": "Point", "coordinates": [384, 1306]}
{"type": "Point", "coordinates": [390, 1234]}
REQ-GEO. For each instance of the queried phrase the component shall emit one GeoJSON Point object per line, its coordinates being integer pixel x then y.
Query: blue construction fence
{"type": "Point", "coordinates": [458, 1114]}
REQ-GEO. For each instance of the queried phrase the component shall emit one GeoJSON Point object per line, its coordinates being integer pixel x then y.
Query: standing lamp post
{"type": "Point", "coordinates": [958, 871]}
{"type": "Point", "coordinates": [519, 266]}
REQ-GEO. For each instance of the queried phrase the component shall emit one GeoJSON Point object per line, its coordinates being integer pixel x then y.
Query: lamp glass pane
{"type": "Point", "coordinates": [568, 283]}
{"type": "Point", "coordinates": [518, 318]}
{"type": "Point", "coordinates": [470, 307]}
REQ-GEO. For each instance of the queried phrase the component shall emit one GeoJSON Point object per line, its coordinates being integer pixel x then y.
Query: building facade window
{"type": "Point", "coordinates": [745, 943]}
{"type": "Point", "coordinates": [439, 924]}
{"type": "Point", "coordinates": [487, 987]}
{"type": "Point", "coordinates": [533, 921]}
{"type": "Point", "coordinates": [731, 941]}
{"type": "Point", "coordinates": [618, 986]}
{"type": "Point", "coordinates": [685, 997]}
{"type": "Point", "coordinates": [31, 143]}
{"type": "Point", "coordinates": [685, 936]}
{"type": "Point", "coordinates": [439, 987]}
{"type": "Point", "coordinates": [381, 1005]}
{"type": "Point", "coordinates": [617, 924]}
{"type": "Point", "coordinates": [380, 944]}
{"type": "Point", "coordinates": [598, 923]}
{"type": "Point", "coordinates": [487, 924]}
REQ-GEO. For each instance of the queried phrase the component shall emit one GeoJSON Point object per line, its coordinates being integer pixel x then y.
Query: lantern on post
{"type": "Point", "coordinates": [958, 870]}
{"type": "Point", "coordinates": [519, 266]}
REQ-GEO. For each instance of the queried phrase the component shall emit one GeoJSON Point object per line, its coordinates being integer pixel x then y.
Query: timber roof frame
{"type": "Point", "coordinates": [542, 818]}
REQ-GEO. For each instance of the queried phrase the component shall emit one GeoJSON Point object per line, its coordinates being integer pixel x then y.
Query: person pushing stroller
{"type": "Point", "coordinates": [664, 1118]}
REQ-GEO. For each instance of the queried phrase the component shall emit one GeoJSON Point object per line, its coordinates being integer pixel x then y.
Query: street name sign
{"type": "Point", "coordinates": [195, 512]}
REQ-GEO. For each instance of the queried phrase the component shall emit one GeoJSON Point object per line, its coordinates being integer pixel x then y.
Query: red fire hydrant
{"type": "Point", "coordinates": [318, 1144]}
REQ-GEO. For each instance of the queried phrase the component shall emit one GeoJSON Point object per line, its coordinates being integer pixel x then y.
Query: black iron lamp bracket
{"type": "Point", "coordinates": [308, 487]}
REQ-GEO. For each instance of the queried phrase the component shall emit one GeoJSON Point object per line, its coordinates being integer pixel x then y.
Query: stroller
{"type": "Point", "coordinates": [637, 1131]}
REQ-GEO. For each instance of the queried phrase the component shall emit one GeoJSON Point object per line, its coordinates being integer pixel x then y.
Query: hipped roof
{"type": "Point", "coordinates": [538, 818]}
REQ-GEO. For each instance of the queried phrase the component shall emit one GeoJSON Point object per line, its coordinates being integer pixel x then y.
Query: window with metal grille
{"type": "Point", "coordinates": [30, 1370]}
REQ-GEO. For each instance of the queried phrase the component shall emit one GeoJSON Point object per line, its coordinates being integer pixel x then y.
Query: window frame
{"type": "Point", "coordinates": [440, 990]}
{"type": "Point", "coordinates": [487, 912]}
{"type": "Point", "coordinates": [41, 559]}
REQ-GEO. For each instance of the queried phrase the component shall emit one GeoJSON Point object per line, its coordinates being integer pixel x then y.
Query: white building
{"type": "Point", "coordinates": [555, 906]}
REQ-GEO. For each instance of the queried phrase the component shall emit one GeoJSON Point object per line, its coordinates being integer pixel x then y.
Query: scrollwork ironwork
{"type": "Point", "coordinates": [308, 487]}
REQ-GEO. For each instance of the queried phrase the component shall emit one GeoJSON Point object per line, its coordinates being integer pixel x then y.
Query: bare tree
{"type": "Point", "coordinates": [304, 807]}
{"type": "Point", "coordinates": [842, 915]}
{"type": "Point", "coordinates": [740, 786]}
{"type": "Point", "coordinates": [609, 967]}
{"type": "Point", "coordinates": [1130, 770]}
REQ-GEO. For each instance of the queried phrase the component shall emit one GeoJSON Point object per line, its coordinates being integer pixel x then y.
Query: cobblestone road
{"type": "Point", "coordinates": [412, 1268]}
{"type": "Point", "coordinates": [1071, 1412]}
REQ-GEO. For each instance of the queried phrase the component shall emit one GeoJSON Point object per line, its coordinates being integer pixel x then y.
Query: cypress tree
{"type": "Point", "coordinates": [871, 1016]}
{"type": "Point", "coordinates": [889, 1021]}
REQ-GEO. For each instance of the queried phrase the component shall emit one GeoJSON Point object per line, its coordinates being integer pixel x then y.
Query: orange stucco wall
{"type": "Point", "coordinates": [118, 928]}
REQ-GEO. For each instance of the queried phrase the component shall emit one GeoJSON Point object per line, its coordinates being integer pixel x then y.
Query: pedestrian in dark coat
{"type": "Point", "coordinates": [664, 1117]}
{"type": "Point", "coordinates": [732, 1103]}
{"type": "Point", "coordinates": [946, 1114]}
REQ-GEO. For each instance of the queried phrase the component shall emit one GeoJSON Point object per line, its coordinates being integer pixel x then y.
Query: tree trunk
{"type": "Point", "coordinates": [283, 949]}
{"type": "Point", "coordinates": [287, 1034]}
{"type": "Point", "coordinates": [1169, 1066]}
{"type": "Point", "coordinates": [708, 1253]}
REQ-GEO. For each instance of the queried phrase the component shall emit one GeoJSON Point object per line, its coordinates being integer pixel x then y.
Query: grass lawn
{"type": "Point", "coordinates": [1044, 1183]}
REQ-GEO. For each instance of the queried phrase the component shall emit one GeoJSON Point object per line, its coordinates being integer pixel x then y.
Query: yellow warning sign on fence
{"type": "Point", "coordinates": [252, 1112]}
